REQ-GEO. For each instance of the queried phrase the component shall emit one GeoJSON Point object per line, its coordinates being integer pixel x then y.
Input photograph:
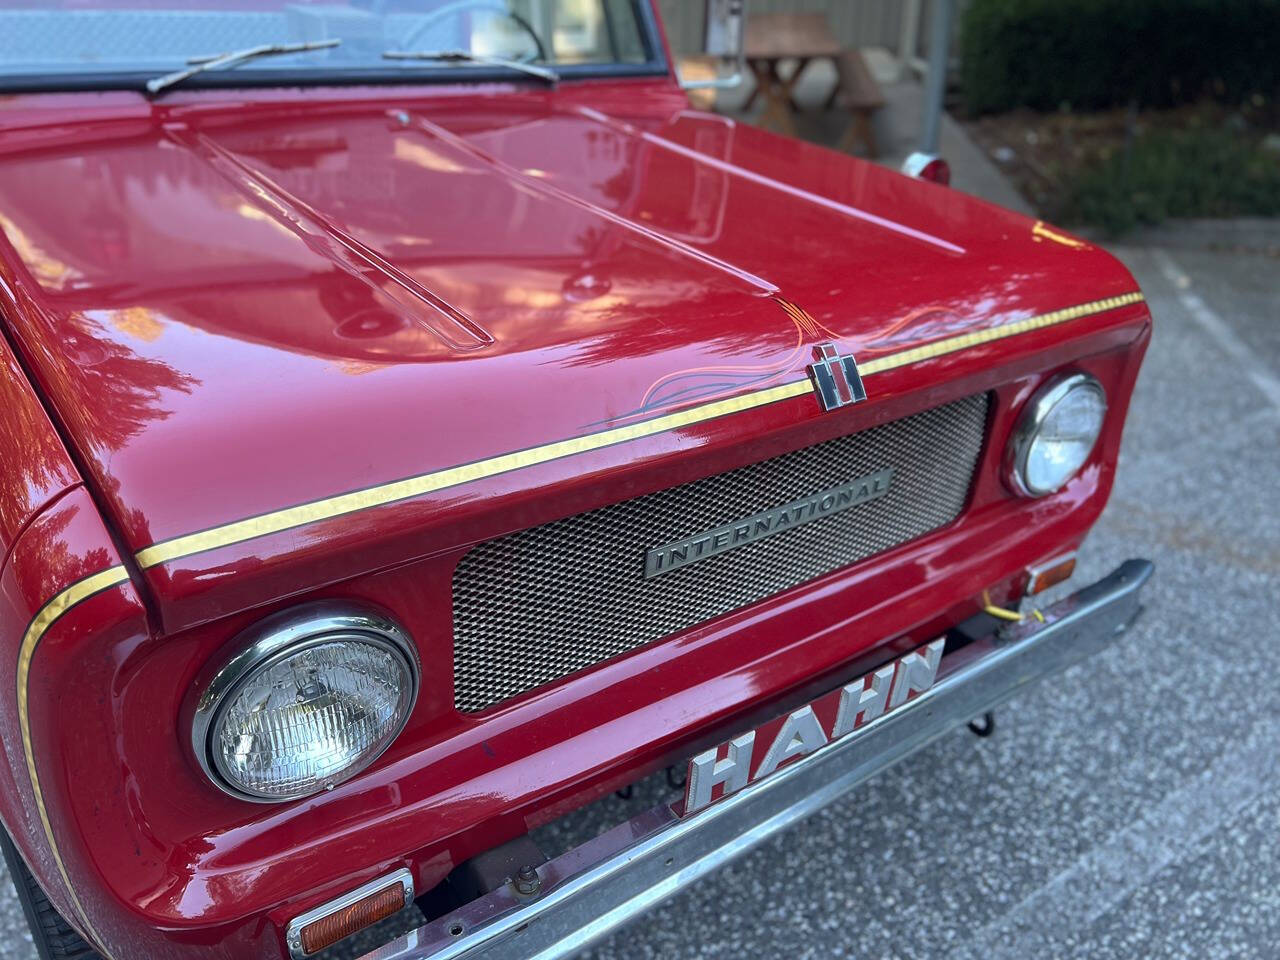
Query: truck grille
{"type": "Point", "coordinates": [538, 605]}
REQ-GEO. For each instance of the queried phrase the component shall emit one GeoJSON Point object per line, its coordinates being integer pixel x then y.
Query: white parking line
{"type": "Point", "coordinates": [1088, 889]}
{"type": "Point", "coordinates": [1217, 328]}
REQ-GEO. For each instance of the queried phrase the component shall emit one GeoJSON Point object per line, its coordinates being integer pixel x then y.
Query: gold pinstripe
{"type": "Point", "coordinates": [253, 527]}
{"type": "Point", "coordinates": [49, 613]}
{"type": "Point", "coordinates": [965, 340]}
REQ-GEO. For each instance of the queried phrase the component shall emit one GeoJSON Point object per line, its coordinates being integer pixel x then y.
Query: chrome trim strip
{"type": "Point", "coordinates": [1033, 417]}
{"type": "Point", "coordinates": [594, 889]}
{"type": "Point", "coordinates": [293, 933]}
{"type": "Point", "coordinates": [286, 633]}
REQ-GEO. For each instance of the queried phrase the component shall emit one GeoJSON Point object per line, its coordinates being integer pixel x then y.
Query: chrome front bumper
{"type": "Point", "coordinates": [594, 889]}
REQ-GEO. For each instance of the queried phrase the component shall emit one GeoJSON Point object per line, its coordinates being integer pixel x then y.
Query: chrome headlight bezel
{"type": "Point", "coordinates": [1032, 421]}
{"type": "Point", "coordinates": [283, 635]}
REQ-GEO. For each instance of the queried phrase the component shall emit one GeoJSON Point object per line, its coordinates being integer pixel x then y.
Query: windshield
{"type": "Point", "coordinates": [54, 44]}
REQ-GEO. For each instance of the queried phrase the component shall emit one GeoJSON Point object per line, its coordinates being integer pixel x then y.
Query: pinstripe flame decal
{"type": "Point", "coordinates": [719, 380]}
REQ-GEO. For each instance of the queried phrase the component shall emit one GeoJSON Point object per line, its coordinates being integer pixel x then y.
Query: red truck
{"type": "Point", "coordinates": [416, 423]}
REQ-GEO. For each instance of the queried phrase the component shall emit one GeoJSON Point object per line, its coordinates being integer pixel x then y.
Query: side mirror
{"type": "Point", "coordinates": [724, 38]}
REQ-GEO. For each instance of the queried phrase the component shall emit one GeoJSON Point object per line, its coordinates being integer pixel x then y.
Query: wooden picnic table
{"type": "Point", "coordinates": [773, 37]}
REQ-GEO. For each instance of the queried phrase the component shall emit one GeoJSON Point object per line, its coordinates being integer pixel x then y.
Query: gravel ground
{"type": "Point", "coordinates": [1130, 809]}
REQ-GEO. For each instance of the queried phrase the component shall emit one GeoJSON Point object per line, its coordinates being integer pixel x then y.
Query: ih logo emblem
{"type": "Point", "coordinates": [836, 380]}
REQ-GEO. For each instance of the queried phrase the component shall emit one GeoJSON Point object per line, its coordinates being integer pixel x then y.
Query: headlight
{"type": "Point", "coordinates": [313, 697]}
{"type": "Point", "coordinates": [1056, 434]}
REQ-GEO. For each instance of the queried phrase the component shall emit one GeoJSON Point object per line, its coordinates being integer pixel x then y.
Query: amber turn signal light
{"type": "Point", "coordinates": [1041, 578]}
{"type": "Point", "coordinates": [348, 914]}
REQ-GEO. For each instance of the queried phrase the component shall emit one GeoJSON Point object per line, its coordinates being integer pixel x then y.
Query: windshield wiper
{"type": "Point", "coordinates": [461, 56]}
{"type": "Point", "coordinates": [202, 64]}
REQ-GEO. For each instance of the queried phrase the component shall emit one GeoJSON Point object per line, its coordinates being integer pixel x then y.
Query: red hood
{"type": "Point", "coordinates": [239, 310]}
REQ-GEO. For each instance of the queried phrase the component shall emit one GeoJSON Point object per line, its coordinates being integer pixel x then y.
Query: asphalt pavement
{"type": "Point", "coordinates": [1131, 808]}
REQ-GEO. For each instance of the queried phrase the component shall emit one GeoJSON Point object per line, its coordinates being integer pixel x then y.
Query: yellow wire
{"type": "Point", "coordinates": [1003, 613]}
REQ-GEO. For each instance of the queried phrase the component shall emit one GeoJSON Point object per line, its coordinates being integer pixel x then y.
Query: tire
{"type": "Point", "coordinates": [54, 938]}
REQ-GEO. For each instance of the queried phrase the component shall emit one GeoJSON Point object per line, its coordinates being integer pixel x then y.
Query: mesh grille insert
{"type": "Point", "coordinates": [537, 605]}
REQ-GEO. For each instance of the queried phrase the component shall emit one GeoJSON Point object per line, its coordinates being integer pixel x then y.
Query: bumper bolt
{"type": "Point", "coordinates": [527, 881]}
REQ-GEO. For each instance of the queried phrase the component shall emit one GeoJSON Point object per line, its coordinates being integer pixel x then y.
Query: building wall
{"type": "Point", "coordinates": [856, 23]}
{"type": "Point", "coordinates": [860, 23]}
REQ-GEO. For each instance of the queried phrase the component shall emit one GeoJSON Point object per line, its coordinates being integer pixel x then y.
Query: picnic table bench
{"type": "Point", "coordinates": [804, 38]}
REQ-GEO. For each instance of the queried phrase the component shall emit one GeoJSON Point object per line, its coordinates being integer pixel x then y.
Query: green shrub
{"type": "Point", "coordinates": [1200, 173]}
{"type": "Point", "coordinates": [1089, 54]}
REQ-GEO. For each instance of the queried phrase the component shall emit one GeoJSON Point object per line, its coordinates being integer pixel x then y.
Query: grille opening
{"type": "Point", "coordinates": [534, 606]}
